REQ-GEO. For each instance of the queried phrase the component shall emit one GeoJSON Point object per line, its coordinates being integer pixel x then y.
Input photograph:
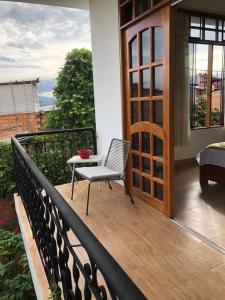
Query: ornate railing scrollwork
{"type": "Point", "coordinates": [73, 259]}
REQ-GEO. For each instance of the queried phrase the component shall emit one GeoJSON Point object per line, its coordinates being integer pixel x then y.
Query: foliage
{"type": "Point", "coordinates": [15, 278]}
{"type": "Point", "coordinates": [7, 184]}
{"type": "Point", "coordinates": [199, 118]}
{"type": "Point", "coordinates": [51, 152]}
{"type": "Point", "coordinates": [55, 291]}
{"type": "Point", "coordinates": [74, 93]}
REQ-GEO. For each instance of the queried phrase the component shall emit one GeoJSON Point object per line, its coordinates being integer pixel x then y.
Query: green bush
{"type": "Point", "coordinates": [7, 184]}
{"type": "Point", "coordinates": [15, 278]}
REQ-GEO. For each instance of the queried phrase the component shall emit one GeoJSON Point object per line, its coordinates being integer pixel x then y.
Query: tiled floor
{"type": "Point", "coordinates": [164, 260]}
{"type": "Point", "coordinates": [202, 211]}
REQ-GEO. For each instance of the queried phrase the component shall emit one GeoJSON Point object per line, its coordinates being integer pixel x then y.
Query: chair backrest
{"type": "Point", "coordinates": [117, 156]}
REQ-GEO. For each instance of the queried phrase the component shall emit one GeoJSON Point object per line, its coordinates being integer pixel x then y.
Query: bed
{"type": "Point", "coordinates": [212, 164]}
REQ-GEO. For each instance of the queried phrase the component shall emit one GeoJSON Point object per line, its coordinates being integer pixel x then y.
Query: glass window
{"type": "Point", "coordinates": [146, 142]}
{"type": "Point", "coordinates": [127, 13]}
{"type": "Point", "coordinates": [195, 21]}
{"type": "Point", "coordinates": [158, 191]}
{"type": "Point", "coordinates": [136, 162]}
{"type": "Point", "coordinates": [199, 89]}
{"type": "Point", "coordinates": [210, 35]}
{"type": "Point", "coordinates": [158, 112]}
{"type": "Point", "coordinates": [145, 111]}
{"type": "Point", "coordinates": [145, 47]}
{"type": "Point", "coordinates": [158, 169]}
{"type": "Point", "coordinates": [134, 84]}
{"type": "Point", "coordinates": [145, 83]}
{"type": "Point", "coordinates": [158, 80]}
{"type": "Point", "coordinates": [146, 165]}
{"type": "Point", "coordinates": [136, 180]}
{"type": "Point", "coordinates": [158, 146]}
{"type": "Point", "coordinates": [134, 53]}
{"type": "Point", "coordinates": [146, 185]}
{"type": "Point", "coordinates": [210, 23]}
{"type": "Point", "coordinates": [135, 141]}
{"type": "Point", "coordinates": [158, 43]}
{"type": "Point", "coordinates": [195, 33]}
{"type": "Point", "coordinates": [142, 6]}
{"type": "Point", "coordinates": [134, 112]}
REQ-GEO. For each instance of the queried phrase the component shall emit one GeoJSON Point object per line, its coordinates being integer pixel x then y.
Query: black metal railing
{"type": "Point", "coordinates": [50, 150]}
{"type": "Point", "coordinates": [60, 235]}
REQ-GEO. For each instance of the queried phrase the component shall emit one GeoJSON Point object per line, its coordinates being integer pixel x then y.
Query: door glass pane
{"type": "Point", "coordinates": [158, 146]}
{"type": "Point", "coordinates": [158, 113]}
{"type": "Point", "coordinates": [146, 142]}
{"type": "Point", "coordinates": [134, 84]}
{"type": "Point", "coordinates": [146, 185]}
{"type": "Point", "coordinates": [145, 111]}
{"type": "Point", "coordinates": [134, 53]}
{"type": "Point", "coordinates": [127, 12]}
{"type": "Point", "coordinates": [134, 112]}
{"type": "Point", "coordinates": [146, 165]}
{"type": "Point", "coordinates": [142, 6]}
{"type": "Point", "coordinates": [158, 169]}
{"type": "Point", "coordinates": [136, 180]}
{"type": "Point", "coordinates": [158, 43]}
{"type": "Point", "coordinates": [145, 47]}
{"type": "Point", "coordinates": [158, 80]}
{"type": "Point", "coordinates": [158, 191]}
{"type": "Point", "coordinates": [145, 83]}
{"type": "Point", "coordinates": [135, 141]}
{"type": "Point", "coordinates": [136, 162]}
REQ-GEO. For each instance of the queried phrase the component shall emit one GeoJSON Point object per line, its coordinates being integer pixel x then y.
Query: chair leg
{"type": "Point", "coordinates": [109, 185]}
{"type": "Point", "coordinates": [88, 197]}
{"type": "Point", "coordinates": [72, 189]}
{"type": "Point", "coordinates": [131, 198]}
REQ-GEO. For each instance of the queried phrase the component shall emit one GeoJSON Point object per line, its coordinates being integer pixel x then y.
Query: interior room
{"type": "Point", "coordinates": [199, 152]}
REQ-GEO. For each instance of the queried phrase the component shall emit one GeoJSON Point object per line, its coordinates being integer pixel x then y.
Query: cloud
{"type": "Point", "coordinates": [19, 66]}
{"type": "Point", "coordinates": [7, 58]}
{"type": "Point", "coordinates": [39, 37]}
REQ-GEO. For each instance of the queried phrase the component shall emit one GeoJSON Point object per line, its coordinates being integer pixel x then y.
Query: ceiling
{"type": "Point", "coordinates": [207, 6]}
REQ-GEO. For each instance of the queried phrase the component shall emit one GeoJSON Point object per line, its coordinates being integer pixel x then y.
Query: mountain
{"type": "Point", "coordinates": [45, 88]}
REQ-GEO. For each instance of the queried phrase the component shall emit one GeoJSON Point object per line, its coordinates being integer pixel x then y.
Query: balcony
{"type": "Point", "coordinates": [92, 255]}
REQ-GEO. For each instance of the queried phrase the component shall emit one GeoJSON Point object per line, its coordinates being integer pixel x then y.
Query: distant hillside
{"type": "Point", "coordinates": [46, 88]}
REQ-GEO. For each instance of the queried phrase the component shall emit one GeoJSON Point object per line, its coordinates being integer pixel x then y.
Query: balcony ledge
{"type": "Point", "coordinates": [36, 268]}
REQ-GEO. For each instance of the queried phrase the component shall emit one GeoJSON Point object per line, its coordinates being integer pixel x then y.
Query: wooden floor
{"type": "Point", "coordinates": [165, 261]}
{"type": "Point", "coordinates": [204, 212]}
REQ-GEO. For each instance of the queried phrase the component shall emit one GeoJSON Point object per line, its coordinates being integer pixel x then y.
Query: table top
{"type": "Point", "coordinates": [92, 159]}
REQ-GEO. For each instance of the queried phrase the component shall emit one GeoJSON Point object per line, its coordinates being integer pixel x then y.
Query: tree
{"type": "Point", "coordinates": [200, 113]}
{"type": "Point", "coordinates": [74, 93]}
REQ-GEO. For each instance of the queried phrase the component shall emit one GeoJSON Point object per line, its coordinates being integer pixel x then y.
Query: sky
{"type": "Point", "coordinates": [34, 39]}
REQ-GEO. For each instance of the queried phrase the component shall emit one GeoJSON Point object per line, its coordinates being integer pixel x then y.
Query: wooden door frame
{"type": "Point", "coordinates": [168, 14]}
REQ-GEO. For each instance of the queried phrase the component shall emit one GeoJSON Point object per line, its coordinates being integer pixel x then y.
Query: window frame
{"type": "Point", "coordinates": [210, 43]}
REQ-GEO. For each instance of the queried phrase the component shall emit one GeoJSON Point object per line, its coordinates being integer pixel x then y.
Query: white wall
{"type": "Point", "coordinates": [199, 139]}
{"type": "Point", "coordinates": [106, 69]}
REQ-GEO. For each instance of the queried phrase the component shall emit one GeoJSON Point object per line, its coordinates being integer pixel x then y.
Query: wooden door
{"type": "Point", "coordinates": [147, 113]}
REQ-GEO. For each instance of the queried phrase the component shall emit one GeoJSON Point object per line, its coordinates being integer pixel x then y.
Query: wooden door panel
{"type": "Point", "coordinates": [147, 108]}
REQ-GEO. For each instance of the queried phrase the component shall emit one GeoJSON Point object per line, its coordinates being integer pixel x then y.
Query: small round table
{"type": "Point", "coordinates": [77, 160]}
